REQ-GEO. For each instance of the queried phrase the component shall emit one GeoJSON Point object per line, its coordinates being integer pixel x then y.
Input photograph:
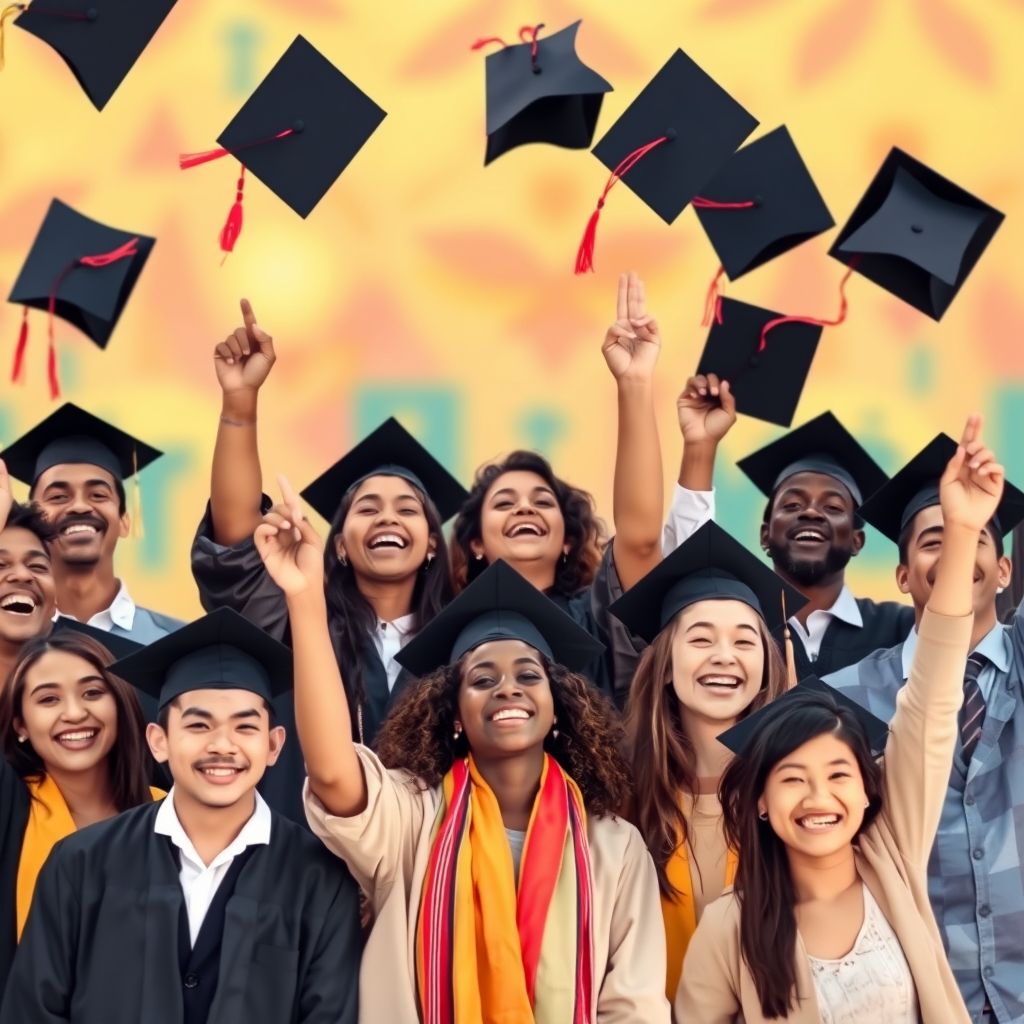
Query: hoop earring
{"type": "Point", "coordinates": [763, 816]}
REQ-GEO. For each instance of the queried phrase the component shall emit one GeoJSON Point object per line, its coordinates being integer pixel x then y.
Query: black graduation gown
{"type": "Point", "coordinates": [885, 624]}
{"type": "Point", "coordinates": [101, 943]}
{"type": "Point", "coordinates": [14, 808]}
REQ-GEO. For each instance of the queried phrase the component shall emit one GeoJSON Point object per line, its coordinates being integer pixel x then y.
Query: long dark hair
{"type": "Point", "coordinates": [352, 618]}
{"type": "Point", "coordinates": [418, 734]}
{"type": "Point", "coordinates": [130, 761]}
{"type": "Point", "coordinates": [764, 886]}
{"type": "Point", "coordinates": [585, 533]}
{"type": "Point", "coordinates": [663, 758]}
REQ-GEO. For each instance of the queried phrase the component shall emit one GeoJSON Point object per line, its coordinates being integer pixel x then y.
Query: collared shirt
{"type": "Point", "coordinates": [120, 614]}
{"type": "Point", "coordinates": [843, 608]}
{"type": "Point", "coordinates": [389, 638]}
{"type": "Point", "coordinates": [976, 869]}
{"type": "Point", "coordinates": [200, 881]}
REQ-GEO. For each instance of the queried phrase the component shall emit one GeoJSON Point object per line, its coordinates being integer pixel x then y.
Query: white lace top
{"type": "Point", "coordinates": [872, 982]}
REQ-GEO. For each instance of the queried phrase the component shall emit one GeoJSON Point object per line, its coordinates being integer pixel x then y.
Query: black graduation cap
{"type": "Point", "coordinates": [710, 565]}
{"type": "Point", "coordinates": [809, 691]}
{"type": "Point", "coordinates": [499, 605]}
{"type": "Point", "coordinates": [786, 207]}
{"type": "Point", "coordinates": [220, 651]}
{"type": "Point", "coordinates": [116, 645]}
{"type": "Point", "coordinates": [822, 445]}
{"type": "Point", "coordinates": [916, 234]}
{"type": "Point", "coordinates": [392, 451]}
{"type": "Point", "coordinates": [72, 435]}
{"type": "Point", "coordinates": [916, 487]}
{"type": "Point", "coordinates": [540, 91]}
{"type": "Point", "coordinates": [100, 40]}
{"type": "Point", "coordinates": [766, 371]}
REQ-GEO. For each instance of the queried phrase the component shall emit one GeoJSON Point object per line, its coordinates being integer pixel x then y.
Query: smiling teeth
{"type": "Point", "coordinates": [525, 528]}
{"type": "Point", "coordinates": [730, 681]}
{"type": "Point", "coordinates": [220, 771]}
{"type": "Point", "coordinates": [78, 528]}
{"type": "Point", "coordinates": [820, 821]}
{"type": "Point", "coordinates": [500, 716]}
{"type": "Point", "coordinates": [12, 601]}
{"type": "Point", "coordinates": [387, 538]}
{"type": "Point", "coordinates": [72, 737]}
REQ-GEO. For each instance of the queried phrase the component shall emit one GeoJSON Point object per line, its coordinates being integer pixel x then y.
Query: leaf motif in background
{"type": "Point", "coordinates": [958, 38]}
{"type": "Point", "coordinates": [833, 37]}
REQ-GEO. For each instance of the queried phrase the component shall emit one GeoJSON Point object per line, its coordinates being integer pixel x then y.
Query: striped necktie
{"type": "Point", "coordinates": [972, 713]}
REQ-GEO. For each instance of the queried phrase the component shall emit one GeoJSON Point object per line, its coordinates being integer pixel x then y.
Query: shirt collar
{"type": "Point", "coordinates": [255, 832]}
{"type": "Point", "coordinates": [846, 608]}
{"type": "Point", "coordinates": [121, 612]}
{"type": "Point", "coordinates": [402, 625]}
{"type": "Point", "coordinates": [994, 645]}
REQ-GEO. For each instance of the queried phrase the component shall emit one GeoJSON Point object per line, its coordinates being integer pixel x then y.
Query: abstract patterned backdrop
{"type": "Point", "coordinates": [426, 286]}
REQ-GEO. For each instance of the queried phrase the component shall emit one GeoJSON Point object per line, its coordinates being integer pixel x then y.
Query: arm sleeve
{"type": "Point", "coordinates": [707, 991]}
{"type": "Point", "coordinates": [689, 511]}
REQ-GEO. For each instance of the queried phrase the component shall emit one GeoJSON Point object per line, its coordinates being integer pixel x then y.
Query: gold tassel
{"type": "Point", "coordinates": [8, 12]}
{"type": "Point", "coordinates": [788, 643]}
{"type": "Point", "coordinates": [137, 531]}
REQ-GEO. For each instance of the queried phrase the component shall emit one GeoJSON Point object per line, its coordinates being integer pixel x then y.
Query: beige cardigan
{"type": "Point", "coordinates": [386, 848]}
{"type": "Point", "coordinates": [892, 856]}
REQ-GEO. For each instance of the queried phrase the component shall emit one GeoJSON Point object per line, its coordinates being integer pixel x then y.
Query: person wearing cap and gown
{"type": "Point", "coordinates": [815, 478]}
{"type": "Point", "coordinates": [487, 819]}
{"type": "Point", "coordinates": [207, 907]}
{"type": "Point", "coordinates": [706, 611]}
{"type": "Point", "coordinates": [385, 564]}
{"type": "Point", "coordinates": [829, 917]}
{"type": "Point", "coordinates": [976, 869]}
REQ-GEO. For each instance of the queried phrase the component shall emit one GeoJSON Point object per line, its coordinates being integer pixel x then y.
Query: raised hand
{"type": "Point", "coordinates": [290, 548]}
{"type": "Point", "coordinates": [6, 498]}
{"type": "Point", "coordinates": [972, 485]}
{"type": "Point", "coordinates": [244, 359]}
{"type": "Point", "coordinates": [632, 343]}
{"type": "Point", "coordinates": [706, 409]}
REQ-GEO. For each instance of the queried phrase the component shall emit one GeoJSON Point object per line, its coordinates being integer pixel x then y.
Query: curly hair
{"type": "Point", "coordinates": [585, 532]}
{"type": "Point", "coordinates": [29, 517]}
{"type": "Point", "coordinates": [418, 735]}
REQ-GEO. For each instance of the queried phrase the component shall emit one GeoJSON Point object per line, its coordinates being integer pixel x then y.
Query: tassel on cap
{"type": "Point", "coordinates": [840, 317]}
{"type": "Point", "coordinates": [137, 529]}
{"type": "Point", "coordinates": [18, 369]}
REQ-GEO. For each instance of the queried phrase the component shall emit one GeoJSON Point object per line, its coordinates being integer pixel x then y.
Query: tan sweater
{"type": "Point", "coordinates": [891, 856]}
{"type": "Point", "coordinates": [387, 848]}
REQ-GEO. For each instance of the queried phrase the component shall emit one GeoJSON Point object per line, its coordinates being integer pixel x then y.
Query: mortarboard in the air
{"type": "Point", "coordinates": [499, 605]}
{"type": "Point", "coordinates": [117, 646]}
{"type": "Point", "coordinates": [81, 271]}
{"type": "Point", "coordinates": [762, 203]}
{"type": "Point", "coordinates": [220, 651]}
{"type": "Point", "coordinates": [822, 445]}
{"type": "Point", "coordinates": [390, 450]}
{"type": "Point", "coordinates": [810, 691]}
{"type": "Point", "coordinates": [99, 40]}
{"type": "Point", "coordinates": [540, 91]}
{"type": "Point", "coordinates": [297, 132]}
{"type": "Point", "coordinates": [669, 143]}
{"type": "Point", "coordinates": [710, 565]}
{"type": "Point", "coordinates": [766, 371]}
{"type": "Point", "coordinates": [915, 487]}
{"type": "Point", "coordinates": [916, 234]}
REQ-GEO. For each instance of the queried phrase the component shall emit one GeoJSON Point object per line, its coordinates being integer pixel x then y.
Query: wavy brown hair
{"type": "Point", "coordinates": [663, 758]}
{"type": "Point", "coordinates": [418, 734]}
{"type": "Point", "coordinates": [130, 760]}
{"type": "Point", "coordinates": [585, 532]}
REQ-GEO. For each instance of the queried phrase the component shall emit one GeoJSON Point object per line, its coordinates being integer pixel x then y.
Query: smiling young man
{"type": "Point", "coordinates": [815, 478]}
{"type": "Point", "coordinates": [208, 907]}
{"type": "Point", "coordinates": [976, 871]}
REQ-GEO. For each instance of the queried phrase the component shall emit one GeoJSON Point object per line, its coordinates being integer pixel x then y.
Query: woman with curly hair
{"type": "Point", "coordinates": [518, 510]}
{"type": "Point", "coordinates": [707, 611]}
{"type": "Point", "coordinates": [500, 884]}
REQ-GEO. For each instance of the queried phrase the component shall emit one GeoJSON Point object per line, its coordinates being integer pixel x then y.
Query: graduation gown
{"type": "Point", "coordinates": [101, 942]}
{"type": "Point", "coordinates": [14, 808]}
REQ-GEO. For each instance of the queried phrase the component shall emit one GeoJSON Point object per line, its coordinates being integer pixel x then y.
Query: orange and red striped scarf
{"type": "Point", "coordinates": [486, 951]}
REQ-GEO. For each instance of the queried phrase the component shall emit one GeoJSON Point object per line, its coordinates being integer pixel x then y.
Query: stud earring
{"type": "Point", "coordinates": [458, 731]}
{"type": "Point", "coordinates": [867, 804]}
{"type": "Point", "coordinates": [343, 560]}
{"type": "Point", "coordinates": [554, 729]}
{"type": "Point", "coordinates": [21, 739]}
{"type": "Point", "coordinates": [479, 558]}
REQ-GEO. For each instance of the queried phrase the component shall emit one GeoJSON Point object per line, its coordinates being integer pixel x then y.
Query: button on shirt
{"type": "Point", "coordinates": [199, 881]}
{"type": "Point", "coordinates": [389, 638]}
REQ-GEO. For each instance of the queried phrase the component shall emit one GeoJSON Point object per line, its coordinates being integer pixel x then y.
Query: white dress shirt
{"type": "Point", "coordinates": [389, 638]}
{"type": "Point", "coordinates": [121, 612]}
{"type": "Point", "coordinates": [199, 881]}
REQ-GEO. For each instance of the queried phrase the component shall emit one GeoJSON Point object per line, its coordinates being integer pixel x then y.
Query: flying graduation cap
{"type": "Point", "coordinates": [669, 143]}
{"type": "Point", "coordinates": [81, 271]}
{"type": "Point", "coordinates": [297, 132]}
{"type": "Point", "coordinates": [99, 40]}
{"type": "Point", "coordinates": [916, 234]}
{"type": "Point", "coordinates": [540, 91]}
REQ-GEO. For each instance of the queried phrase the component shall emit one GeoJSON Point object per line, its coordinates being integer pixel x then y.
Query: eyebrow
{"type": "Point", "coordinates": [203, 713]}
{"type": "Point", "coordinates": [802, 767]}
{"type": "Point", "coordinates": [711, 625]}
{"type": "Point", "coordinates": [803, 492]}
{"type": "Point", "coordinates": [376, 497]}
{"type": "Point", "coordinates": [539, 489]}
{"type": "Point", "coordinates": [56, 686]}
{"type": "Point", "coordinates": [525, 659]}
{"type": "Point", "coordinates": [88, 483]}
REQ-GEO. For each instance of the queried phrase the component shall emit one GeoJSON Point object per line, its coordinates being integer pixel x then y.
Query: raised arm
{"type": "Point", "coordinates": [707, 412]}
{"type": "Point", "coordinates": [631, 348]}
{"type": "Point", "coordinates": [242, 361]}
{"type": "Point", "coordinates": [293, 555]}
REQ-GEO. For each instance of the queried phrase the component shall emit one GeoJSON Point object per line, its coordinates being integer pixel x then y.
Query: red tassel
{"type": "Point", "coordinates": [233, 225]}
{"type": "Point", "coordinates": [531, 32]}
{"type": "Point", "coordinates": [713, 300]}
{"type": "Point", "coordinates": [481, 43]}
{"type": "Point", "coordinates": [700, 203]}
{"type": "Point", "coordinates": [103, 259]}
{"type": "Point", "coordinates": [51, 367]}
{"type": "Point", "coordinates": [585, 253]}
{"type": "Point", "coordinates": [840, 317]}
{"type": "Point", "coordinates": [19, 351]}
{"type": "Point", "coordinates": [187, 160]}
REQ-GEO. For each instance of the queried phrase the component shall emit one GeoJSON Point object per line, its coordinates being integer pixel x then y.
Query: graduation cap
{"type": "Point", "coordinates": [81, 271]}
{"type": "Point", "coordinates": [116, 646]}
{"type": "Point", "coordinates": [220, 651]}
{"type": "Point", "coordinates": [767, 375]}
{"type": "Point", "coordinates": [540, 91]}
{"type": "Point", "coordinates": [916, 234]}
{"type": "Point", "coordinates": [669, 143]}
{"type": "Point", "coordinates": [711, 565]}
{"type": "Point", "coordinates": [499, 605]}
{"type": "Point", "coordinates": [809, 692]}
{"type": "Point", "coordinates": [762, 203]}
{"type": "Point", "coordinates": [822, 445]}
{"type": "Point", "coordinates": [297, 132]}
{"type": "Point", "coordinates": [390, 450]}
{"type": "Point", "coordinates": [916, 487]}
{"type": "Point", "coordinates": [100, 40]}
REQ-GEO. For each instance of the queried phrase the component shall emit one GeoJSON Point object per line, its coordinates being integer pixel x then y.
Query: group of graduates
{"type": "Point", "coordinates": [521, 771]}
